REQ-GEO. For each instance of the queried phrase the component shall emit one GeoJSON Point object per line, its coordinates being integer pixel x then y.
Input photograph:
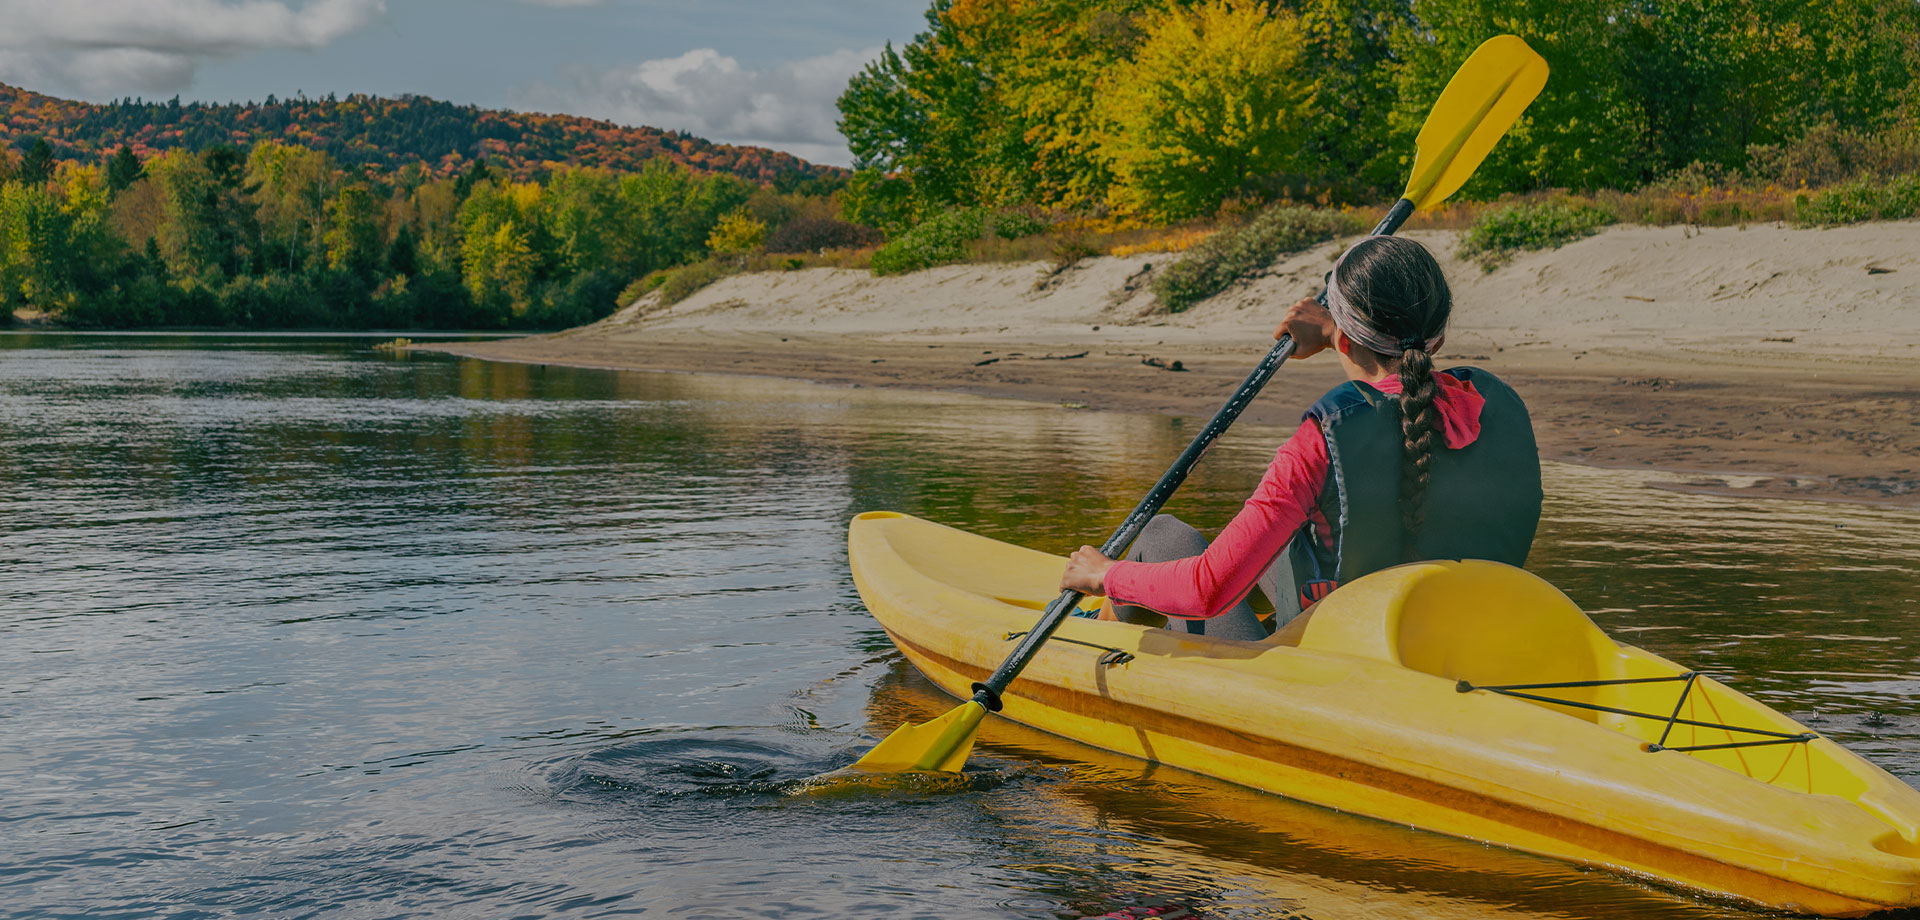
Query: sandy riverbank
{"type": "Point", "coordinates": [1771, 361]}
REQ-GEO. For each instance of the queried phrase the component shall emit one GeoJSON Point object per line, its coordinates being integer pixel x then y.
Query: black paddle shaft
{"type": "Point", "coordinates": [987, 692]}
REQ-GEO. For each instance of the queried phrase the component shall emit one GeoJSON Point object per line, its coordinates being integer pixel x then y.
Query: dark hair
{"type": "Point", "coordinates": [1396, 287]}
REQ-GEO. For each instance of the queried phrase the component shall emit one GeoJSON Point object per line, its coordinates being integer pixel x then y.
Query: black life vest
{"type": "Point", "coordinates": [1483, 500]}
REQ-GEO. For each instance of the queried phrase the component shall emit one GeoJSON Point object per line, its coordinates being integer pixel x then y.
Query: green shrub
{"type": "Point", "coordinates": [588, 296]}
{"type": "Point", "coordinates": [680, 283]}
{"type": "Point", "coordinates": [939, 240]}
{"type": "Point", "coordinates": [1860, 200]}
{"type": "Point", "coordinates": [1236, 253]}
{"type": "Point", "coordinates": [947, 238]}
{"type": "Point", "coordinates": [1903, 198]}
{"type": "Point", "coordinates": [637, 289]}
{"type": "Point", "coordinates": [1498, 235]}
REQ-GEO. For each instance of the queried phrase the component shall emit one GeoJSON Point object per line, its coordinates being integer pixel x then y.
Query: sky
{"type": "Point", "coordinates": [762, 72]}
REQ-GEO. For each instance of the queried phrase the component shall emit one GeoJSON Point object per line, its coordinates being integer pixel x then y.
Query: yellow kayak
{"type": "Point", "coordinates": [1468, 698]}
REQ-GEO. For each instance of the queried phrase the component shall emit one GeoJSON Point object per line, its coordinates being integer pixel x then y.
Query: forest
{"type": "Point", "coordinates": [281, 236]}
{"type": "Point", "coordinates": [1007, 129]}
{"type": "Point", "coordinates": [356, 213]}
{"type": "Point", "coordinates": [1166, 111]}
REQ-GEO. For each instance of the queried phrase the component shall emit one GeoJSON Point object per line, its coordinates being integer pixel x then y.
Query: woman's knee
{"type": "Point", "coordinates": [1166, 538]}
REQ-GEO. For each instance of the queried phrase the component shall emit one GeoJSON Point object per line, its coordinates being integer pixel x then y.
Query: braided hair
{"type": "Point", "coordinates": [1396, 288]}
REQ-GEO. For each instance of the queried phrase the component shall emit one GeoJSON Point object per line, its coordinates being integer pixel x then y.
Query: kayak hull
{"type": "Point", "coordinates": [1366, 715]}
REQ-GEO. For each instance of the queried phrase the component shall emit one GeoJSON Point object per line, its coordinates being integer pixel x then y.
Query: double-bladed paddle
{"type": "Point", "coordinates": [1484, 98]}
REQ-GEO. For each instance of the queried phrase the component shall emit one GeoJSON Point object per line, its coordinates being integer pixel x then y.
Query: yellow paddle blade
{"type": "Point", "coordinates": [1484, 99]}
{"type": "Point", "coordinates": [941, 745]}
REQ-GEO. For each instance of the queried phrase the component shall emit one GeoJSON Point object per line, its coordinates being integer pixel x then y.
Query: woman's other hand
{"type": "Point", "coordinates": [1086, 572]}
{"type": "Point", "coordinates": [1311, 327]}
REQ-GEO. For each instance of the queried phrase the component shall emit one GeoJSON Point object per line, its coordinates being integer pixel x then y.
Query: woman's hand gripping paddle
{"type": "Point", "coordinates": [1480, 103]}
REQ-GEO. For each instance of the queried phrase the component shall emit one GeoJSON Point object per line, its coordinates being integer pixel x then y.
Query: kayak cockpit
{"type": "Point", "coordinates": [1493, 628]}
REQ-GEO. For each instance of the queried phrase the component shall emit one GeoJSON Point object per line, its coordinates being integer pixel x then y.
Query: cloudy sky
{"type": "Point", "coordinates": [742, 71]}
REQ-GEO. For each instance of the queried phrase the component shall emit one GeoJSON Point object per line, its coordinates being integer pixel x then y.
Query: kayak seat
{"type": "Point", "coordinates": [1477, 621]}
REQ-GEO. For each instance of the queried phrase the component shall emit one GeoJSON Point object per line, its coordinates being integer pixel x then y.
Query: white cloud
{"type": "Point", "coordinates": [117, 46]}
{"type": "Point", "coordinates": [787, 106]}
{"type": "Point", "coordinates": [96, 73]}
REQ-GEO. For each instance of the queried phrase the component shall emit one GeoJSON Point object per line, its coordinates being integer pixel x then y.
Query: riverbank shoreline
{"type": "Point", "coordinates": [1804, 382]}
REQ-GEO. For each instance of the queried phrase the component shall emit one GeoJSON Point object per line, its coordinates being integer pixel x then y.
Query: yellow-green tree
{"type": "Point", "coordinates": [432, 210]}
{"type": "Point", "coordinates": [290, 186]}
{"type": "Point", "coordinates": [55, 245]}
{"type": "Point", "coordinates": [1213, 98]}
{"type": "Point", "coordinates": [186, 237]}
{"type": "Point", "coordinates": [737, 233]}
{"type": "Point", "coordinates": [33, 234]}
{"type": "Point", "coordinates": [356, 231]}
{"type": "Point", "coordinates": [499, 255]}
{"type": "Point", "coordinates": [1044, 60]}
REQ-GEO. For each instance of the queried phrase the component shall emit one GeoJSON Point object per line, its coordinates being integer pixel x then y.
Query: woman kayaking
{"type": "Point", "coordinates": [1398, 464]}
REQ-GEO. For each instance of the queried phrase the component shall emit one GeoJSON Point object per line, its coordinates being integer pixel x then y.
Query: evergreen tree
{"type": "Point", "coordinates": [123, 169]}
{"type": "Point", "coordinates": [403, 255]}
{"type": "Point", "coordinates": [37, 166]}
{"type": "Point", "coordinates": [477, 173]}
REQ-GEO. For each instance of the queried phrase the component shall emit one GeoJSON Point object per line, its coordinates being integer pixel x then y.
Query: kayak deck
{"type": "Point", "coordinates": [1415, 695]}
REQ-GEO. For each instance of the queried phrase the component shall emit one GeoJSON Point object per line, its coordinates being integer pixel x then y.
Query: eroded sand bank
{"type": "Point", "coordinates": [1771, 361]}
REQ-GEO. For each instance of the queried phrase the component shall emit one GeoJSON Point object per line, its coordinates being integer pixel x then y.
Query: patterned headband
{"type": "Point", "coordinates": [1357, 328]}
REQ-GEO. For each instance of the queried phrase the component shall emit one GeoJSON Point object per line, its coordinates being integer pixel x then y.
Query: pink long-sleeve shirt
{"type": "Point", "coordinates": [1210, 584]}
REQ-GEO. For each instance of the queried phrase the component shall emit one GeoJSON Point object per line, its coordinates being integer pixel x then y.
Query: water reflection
{"type": "Point", "coordinates": [291, 627]}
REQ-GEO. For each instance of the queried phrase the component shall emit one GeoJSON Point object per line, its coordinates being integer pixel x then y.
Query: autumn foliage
{"type": "Point", "coordinates": [383, 134]}
{"type": "Point", "coordinates": [283, 236]}
{"type": "Point", "coordinates": [1162, 109]}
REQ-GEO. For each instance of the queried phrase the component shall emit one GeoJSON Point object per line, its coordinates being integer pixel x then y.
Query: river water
{"type": "Point", "coordinates": [294, 628]}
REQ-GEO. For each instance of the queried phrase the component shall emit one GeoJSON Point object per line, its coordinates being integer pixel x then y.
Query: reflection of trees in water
{"type": "Point", "coordinates": [1041, 476]}
{"type": "Point", "coordinates": [1034, 473]}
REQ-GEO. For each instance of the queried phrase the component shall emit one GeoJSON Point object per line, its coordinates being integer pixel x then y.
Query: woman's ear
{"type": "Point", "coordinates": [1341, 343]}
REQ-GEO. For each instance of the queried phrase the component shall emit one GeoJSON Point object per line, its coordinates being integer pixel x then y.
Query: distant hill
{"type": "Point", "coordinates": [384, 133]}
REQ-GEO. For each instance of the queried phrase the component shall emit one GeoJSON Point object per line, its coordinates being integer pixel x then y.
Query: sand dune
{"type": "Point", "coordinates": [1841, 288]}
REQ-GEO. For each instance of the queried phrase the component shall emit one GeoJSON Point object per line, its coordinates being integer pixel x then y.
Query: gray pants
{"type": "Point", "coordinates": [1166, 538]}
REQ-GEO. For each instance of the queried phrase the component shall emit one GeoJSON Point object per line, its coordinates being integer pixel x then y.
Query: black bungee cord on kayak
{"type": "Point", "coordinates": [1671, 719]}
{"type": "Point", "coordinates": [1112, 657]}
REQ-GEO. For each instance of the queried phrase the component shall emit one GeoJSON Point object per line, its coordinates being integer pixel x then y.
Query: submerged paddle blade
{"type": "Point", "coordinates": [940, 746]}
{"type": "Point", "coordinates": [1484, 99]}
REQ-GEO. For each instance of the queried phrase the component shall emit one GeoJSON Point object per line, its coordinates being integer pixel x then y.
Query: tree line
{"type": "Point", "coordinates": [283, 236]}
{"type": "Point", "coordinates": [387, 133]}
{"type": "Point", "coordinates": [1165, 109]}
